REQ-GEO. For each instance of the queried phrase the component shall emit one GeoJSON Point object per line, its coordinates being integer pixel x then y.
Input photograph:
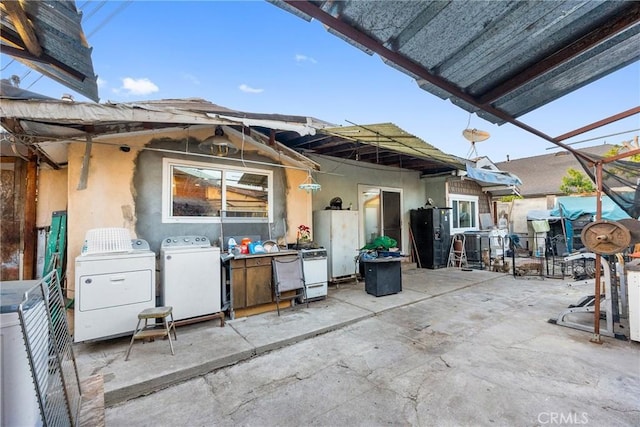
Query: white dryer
{"type": "Point", "coordinates": [111, 289]}
{"type": "Point", "coordinates": [190, 276]}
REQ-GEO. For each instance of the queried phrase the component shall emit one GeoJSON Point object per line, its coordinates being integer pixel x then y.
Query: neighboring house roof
{"type": "Point", "coordinates": [47, 36]}
{"type": "Point", "coordinates": [499, 59]}
{"type": "Point", "coordinates": [542, 175]}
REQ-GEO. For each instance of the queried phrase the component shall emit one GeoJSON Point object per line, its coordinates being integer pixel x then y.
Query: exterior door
{"type": "Point", "coordinates": [381, 212]}
{"type": "Point", "coordinates": [391, 216]}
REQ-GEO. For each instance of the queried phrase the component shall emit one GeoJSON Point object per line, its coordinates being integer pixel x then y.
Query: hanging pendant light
{"type": "Point", "coordinates": [217, 144]}
{"type": "Point", "coordinates": [309, 184]}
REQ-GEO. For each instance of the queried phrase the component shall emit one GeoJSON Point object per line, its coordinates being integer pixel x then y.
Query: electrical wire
{"type": "Point", "coordinates": [120, 8]}
{"type": "Point", "coordinates": [593, 139]}
{"type": "Point", "coordinates": [93, 12]}
{"type": "Point", "coordinates": [8, 63]}
{"type": "Point", "coordinates": [35, 81]}
{"type": "Point", "coordinates": [110, 17]}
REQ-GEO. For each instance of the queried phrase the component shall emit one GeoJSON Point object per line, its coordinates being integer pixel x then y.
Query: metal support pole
{"type": "Point", "coordinates": [596, 309]}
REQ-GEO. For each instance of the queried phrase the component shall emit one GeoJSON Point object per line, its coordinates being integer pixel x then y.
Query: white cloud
{"type": "Point", "coordinates": [142, 86]}
{"type": "Point", "coordinates": [304, 58]}
{"type": "Point", "coordinates": [191, 78]}
{"type": "Point", "coordinates": [248, 89]}
{"type": "Point", "coordinates": [101, 82]}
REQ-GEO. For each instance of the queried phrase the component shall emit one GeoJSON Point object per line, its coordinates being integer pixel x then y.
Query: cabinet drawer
{"type": "Point", "coordinates": [258, 261]}
{"type": "Point", "coordinates": [237, 263]}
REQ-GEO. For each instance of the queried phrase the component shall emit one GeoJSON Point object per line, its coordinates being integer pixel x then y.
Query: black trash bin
{"type": "Point", "coordinates": [382, 276]}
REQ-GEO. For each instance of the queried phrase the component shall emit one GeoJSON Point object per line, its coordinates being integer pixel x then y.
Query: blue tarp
{"type": "Point", "coordinates": [492, 177]}
{"type": "Point", "coordinates": [574, 207]}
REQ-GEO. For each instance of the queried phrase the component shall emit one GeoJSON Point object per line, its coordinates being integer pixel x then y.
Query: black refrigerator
{"type": "Point", "coordinates": [430, 228]}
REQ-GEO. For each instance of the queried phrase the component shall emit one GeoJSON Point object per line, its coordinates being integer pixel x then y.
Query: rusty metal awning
{"type": "Point", "coordinates": [499, 59]}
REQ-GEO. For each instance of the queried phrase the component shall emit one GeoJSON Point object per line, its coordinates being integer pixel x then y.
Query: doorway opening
{"type": "Point", "coordinates": [381, 213]}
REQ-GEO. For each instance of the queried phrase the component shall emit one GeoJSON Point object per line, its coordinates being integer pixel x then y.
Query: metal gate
{"type": "Point", "coordinates": [49, 348]}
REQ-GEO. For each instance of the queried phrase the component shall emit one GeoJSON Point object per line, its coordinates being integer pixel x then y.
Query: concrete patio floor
{"type": "Point", "coordinates": [453, 348]}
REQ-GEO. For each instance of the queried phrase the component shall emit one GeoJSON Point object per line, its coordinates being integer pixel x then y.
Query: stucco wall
{"type": "Point", "coordinates": [298, 204]}
{"type": "Point", "coordinates": [341, 179]}
{"type": "Point", "coordinates": [52, 195]}
{"type": "Point", "coordinates": [519, 212]}
{"type": "Point", "coordinates": [147, 182]}
{"type": "Point", "coordinates": [107, 201]}
{"type": "Point", "coordinates": [124, 189]}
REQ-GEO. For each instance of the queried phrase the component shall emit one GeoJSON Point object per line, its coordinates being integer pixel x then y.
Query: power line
{"type": "Point", "coordinates": [8, 63]}
{"type": "Point", "coordinates": [35, 81]}
{"type": "Point", "coordinates": [99, 27]}
{"type": "Point", "coordinates": [93, 12]}
{"type": "Point", "coordinates": [110, 17]}
{"type": "Point", "coordinates": [593, 139]}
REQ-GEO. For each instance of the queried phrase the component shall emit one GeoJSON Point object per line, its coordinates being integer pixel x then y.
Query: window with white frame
{"type": "Point", "coordinates": [202, 192]}
{"type": "Point", "coordinates": [464, 213]}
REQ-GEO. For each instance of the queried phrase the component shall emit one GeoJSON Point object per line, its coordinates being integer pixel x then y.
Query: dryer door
{"type": "Point", "coordinates": [99, 291]}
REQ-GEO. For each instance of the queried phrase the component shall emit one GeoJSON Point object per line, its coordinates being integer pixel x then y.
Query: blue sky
{"type": "Point", "coordinates": [253, 56]}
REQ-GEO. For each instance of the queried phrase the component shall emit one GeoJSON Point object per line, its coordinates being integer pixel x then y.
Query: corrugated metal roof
{"type": "Point", "coordinates": [381, 143]}
{"type": "Point", "coordinates": [386, 143]}
{"type": "Point", "coordinates": [47, 36]}
{"type": "Point", "coordinates": [500, 59]}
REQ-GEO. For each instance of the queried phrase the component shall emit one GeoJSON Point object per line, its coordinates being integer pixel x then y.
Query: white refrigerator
{"type": "Point", "coordinates": [337, 232]}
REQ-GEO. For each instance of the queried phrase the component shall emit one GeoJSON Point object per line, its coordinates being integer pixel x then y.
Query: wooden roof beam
{"type": "Point", "coordinates": [22, 52]}
{"type": "Point", "coordinates": [23, 26]}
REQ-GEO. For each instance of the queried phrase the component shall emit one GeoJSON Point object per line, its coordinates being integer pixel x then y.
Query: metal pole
{"type": "Point", "coordinates": [596, 313]}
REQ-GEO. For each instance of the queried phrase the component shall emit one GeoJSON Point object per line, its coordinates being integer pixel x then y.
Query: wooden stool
{"type": "Point", "coordinates": [154, 330]}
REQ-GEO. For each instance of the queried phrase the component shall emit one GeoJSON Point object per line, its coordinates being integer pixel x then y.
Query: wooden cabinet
{"type": "Point", "coordinates": [251, 281]}
{"type": "Point", "coordinates": [251, 278]}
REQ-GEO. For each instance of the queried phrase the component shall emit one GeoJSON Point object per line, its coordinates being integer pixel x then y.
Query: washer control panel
{"type": "Point", "coordinates": [140, 245]}
{"type": "Point", "coordinates": [178, 241]}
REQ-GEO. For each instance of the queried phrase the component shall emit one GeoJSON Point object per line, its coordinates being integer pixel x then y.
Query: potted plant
{"type": "Point", "coordinates": [303, 239]}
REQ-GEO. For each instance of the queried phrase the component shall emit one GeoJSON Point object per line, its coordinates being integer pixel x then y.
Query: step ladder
{"type": "Point", "coordinates": [56, 245]}
{"type": "Point", "coordinates": [457, 252]}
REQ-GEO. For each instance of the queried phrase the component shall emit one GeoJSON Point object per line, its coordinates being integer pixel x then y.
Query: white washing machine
{"type": "Point", "coordinates": [190, 276]}
{"type": "Point", "coordinates": [111, 289]}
